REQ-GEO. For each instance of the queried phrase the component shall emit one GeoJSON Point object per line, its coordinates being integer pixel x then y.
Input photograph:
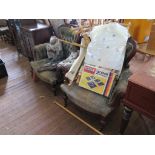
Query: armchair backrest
{"type": "Point", "coordinates": [66, 33]}
{"type": "Point", "coordinates": [120, 85]}
{"type": "Point", "coordinates": [130, 51]}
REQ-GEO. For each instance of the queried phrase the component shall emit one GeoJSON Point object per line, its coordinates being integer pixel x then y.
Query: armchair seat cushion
{"type": "Point", "coordinates": [94, 102]}
{"type": "Point", "coordinates": [46, 76]}
{"type": "Point", "coordinates": [87, 100]}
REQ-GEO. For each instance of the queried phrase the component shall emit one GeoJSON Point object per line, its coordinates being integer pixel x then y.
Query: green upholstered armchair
{"type": "Point", "coordinates": [98, 104]}
{"type": "Point", "coordinates": [41, 58]}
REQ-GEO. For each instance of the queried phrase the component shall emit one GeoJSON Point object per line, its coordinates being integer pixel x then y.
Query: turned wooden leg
{"type": "Point", "coordinates": [65, 100]}
{"type": "Point", "coordinates": [54, 87]}
{"type": "Point", "coordinates": [34, 77]}
{"type": "Point", "coordinates": [55, 91]}
{"type": "Point", "coordinates": [103, 123]}
{"type": "Point", "coordinates": [31, 71]}
{"type": "Point", "coordinates": [125, 120]}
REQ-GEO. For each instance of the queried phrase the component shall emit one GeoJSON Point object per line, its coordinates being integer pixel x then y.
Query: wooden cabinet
{"type": "Point", "coordinates": [140, 94]}
{"type": "Point", "coordinates": [27, 33]}
{"type": "Point", "coordinates": [34, 35]}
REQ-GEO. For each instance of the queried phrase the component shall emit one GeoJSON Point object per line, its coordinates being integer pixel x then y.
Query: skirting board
{"type": "Point", "coordinates": [78, 118]}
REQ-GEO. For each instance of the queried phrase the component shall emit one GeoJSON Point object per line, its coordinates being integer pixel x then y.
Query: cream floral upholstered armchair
{"type": "Point", "coordinates": [64, 59]}
{"type": "Point", "coordinates": [98, 104]}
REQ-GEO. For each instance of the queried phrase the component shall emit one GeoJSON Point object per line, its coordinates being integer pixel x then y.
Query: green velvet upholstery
{"type": "Point", "coordinates": [96, 103]}
{"type": "Point", "coordinates": [46, 76]}
{"type": "Point", "coordinates": [40, 52]}
{"type": "Point", "coordinates": [66, 33]}
{"type": "Point", "coordinates": [41, 58]}
{"type": "Point", "coordinates": [93, 102]}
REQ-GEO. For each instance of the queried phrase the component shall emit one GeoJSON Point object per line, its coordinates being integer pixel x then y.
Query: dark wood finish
{"type": "Point", "coordinates": [27, 33]}
{"type": "Point", "coordinates": [27, 22]}
{"type": "Point", "coordinates": [65, 100]}
{"type": "Point", "coordinates": [141, 90]}
{"type": "Point", "coordinates": [140, 95]}
{"type": "Point", "coordinates": [125, 120]}
{"type": "Point", "coordinates": [34, 35]}
{"type": "Point", "coordinates": [27, 107]}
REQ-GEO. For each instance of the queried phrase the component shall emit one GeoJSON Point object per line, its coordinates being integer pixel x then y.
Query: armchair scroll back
{"type": "Point", "coordinates": [130, 52]}
{"type": "Point", "coordinates": [66, 33]}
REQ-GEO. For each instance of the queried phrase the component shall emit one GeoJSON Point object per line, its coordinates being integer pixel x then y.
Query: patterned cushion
{"type": "Point", "coordinates": [66, 33]}
{"type": "Point", "coordinates": [46, 76]}
{"type": "Point", "coordinates": [40, 51]}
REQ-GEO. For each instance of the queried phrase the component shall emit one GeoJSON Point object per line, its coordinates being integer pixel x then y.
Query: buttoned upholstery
{"type": "Point", "coordinates": [96, 103]}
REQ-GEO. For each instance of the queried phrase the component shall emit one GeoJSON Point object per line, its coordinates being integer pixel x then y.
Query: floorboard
{"type": "Point", "coordinates": [26, 107]}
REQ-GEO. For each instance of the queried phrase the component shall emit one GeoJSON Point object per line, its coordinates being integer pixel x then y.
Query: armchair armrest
{"type": "Point", "coordinates": [120, 88]}
{"type": "Point", "coordinates": [40, 52]}
{"type": "Point", "coordinates": [130, 51]}
{"type": "Point", "coordinates": [121, 85]}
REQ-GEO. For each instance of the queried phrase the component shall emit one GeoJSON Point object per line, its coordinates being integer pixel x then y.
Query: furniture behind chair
{"type": "Point", "coordinates": [140, 94]}
{"type": "Point", "coordinates": [34, 35]}
{"type": "Point", "coordinates": [5, 34]}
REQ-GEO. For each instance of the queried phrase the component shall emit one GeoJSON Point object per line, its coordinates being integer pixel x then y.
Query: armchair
{"type": "Point", "coordinates": [98, 104]}
{"type": "Point", "coordinates": [41, 57]}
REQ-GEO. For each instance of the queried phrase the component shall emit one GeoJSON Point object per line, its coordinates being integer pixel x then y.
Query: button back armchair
{"type": "Point", "coordinates": [98, 104]}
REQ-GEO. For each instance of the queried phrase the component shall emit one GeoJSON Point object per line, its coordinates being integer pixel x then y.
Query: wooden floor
{"type": "Point", "coordinates": [27, 107]}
